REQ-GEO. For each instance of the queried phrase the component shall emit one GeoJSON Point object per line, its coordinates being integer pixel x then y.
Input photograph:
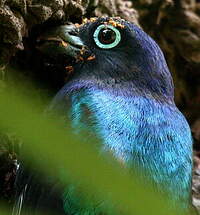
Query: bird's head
{"type": "Point", "coordinates": [113, 54]}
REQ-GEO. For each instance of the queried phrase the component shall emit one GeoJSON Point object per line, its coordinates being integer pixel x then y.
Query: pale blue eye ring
{"type": "Point", "coordinates": [107, 46]}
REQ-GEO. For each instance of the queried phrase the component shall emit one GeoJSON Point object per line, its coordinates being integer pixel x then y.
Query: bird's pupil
{"type": "Point", "coordinates": [107, 36]}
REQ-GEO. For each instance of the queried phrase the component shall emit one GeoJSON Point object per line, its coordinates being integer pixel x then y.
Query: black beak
{"type": "Point", "coordinates": [62, 40]}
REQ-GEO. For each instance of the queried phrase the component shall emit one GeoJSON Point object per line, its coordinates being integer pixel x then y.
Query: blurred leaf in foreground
{"type": "Point", "coordinates": [101, 177]}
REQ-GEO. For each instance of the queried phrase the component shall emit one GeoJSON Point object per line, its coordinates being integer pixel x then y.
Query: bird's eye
{"type": "Point", "coordinates": [107, 36]}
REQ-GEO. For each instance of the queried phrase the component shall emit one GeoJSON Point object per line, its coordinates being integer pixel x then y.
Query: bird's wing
{"type": "Point", "coordinates": [19, 202]}
{"type": "Point", "coordinates": [35, 194]}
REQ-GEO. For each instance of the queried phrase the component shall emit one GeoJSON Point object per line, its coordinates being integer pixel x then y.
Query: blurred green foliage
{"type": "Point", "coordinates": [52, 145]}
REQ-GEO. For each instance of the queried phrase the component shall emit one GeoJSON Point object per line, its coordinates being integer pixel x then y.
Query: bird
{"type": "Point", "coordinates": [119, 88]}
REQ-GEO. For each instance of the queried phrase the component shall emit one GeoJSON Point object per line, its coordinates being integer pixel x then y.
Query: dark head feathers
{"type": "Point", "coordinates": [114, 54]}
{"type": "Point", "coordinates": [136, 63]}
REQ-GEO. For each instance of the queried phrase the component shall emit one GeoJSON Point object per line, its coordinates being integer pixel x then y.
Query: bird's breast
{"type": "Point", "coordinates": [130, 126]}
{"type": "Point", "coordinates": [143, 132]}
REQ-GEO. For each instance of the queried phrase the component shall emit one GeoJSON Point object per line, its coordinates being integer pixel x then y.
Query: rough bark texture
{"type": "Point", "coordinates": [175, 25]}
{"type": "Point", "coordinates": [17, 17]}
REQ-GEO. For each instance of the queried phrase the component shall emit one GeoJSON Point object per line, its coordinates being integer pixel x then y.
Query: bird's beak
{"type": "Point", "coordinates": [62, 40]}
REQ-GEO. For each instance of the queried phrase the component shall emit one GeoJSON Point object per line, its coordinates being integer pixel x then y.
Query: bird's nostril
{"type": "Point", "coordinates": [73, 32]}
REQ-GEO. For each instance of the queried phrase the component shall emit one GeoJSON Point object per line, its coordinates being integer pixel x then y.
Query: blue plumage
{"type": "Point", "coordinates": [124, 96]}
{"type": "Point", "coordinates": [128, 91]}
